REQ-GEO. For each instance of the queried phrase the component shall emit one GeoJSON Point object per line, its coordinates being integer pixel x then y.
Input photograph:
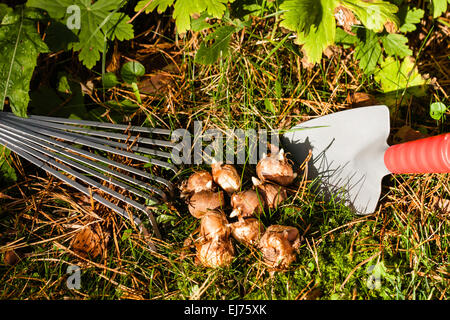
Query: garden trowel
{"type": "Point", "coordinates": [350, 155]}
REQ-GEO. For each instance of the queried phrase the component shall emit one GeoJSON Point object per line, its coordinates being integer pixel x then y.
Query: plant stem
{"type": "Point", "coordinates": [136, 92]}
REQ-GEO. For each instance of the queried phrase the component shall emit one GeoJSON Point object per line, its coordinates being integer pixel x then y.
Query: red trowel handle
{"type": "Point", "coordinates": [429, 155]}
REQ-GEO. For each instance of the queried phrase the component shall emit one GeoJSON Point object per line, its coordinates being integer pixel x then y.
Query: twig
{"type": "Point", "coordinates": [357, 267]}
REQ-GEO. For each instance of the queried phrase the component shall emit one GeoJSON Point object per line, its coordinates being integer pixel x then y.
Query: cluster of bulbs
{"type": "Point", "coordinates": [205, 193]}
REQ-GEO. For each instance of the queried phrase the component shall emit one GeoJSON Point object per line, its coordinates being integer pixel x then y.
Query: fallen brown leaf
{"type": "Point", "coordinates": [90, 242]}
{"type": "Point", "coordinates": [443, 205]}
{"type": "Point", "coordinates": [391, 27]}
{"type": "Point", "coordinates": [361, 99]}
{"type": "Point", "coordinates": [11, 258]}
{"type": "Point", "coordinates": [345, 18]}
{"type": "Point", "coordinates": [155, 84]}
{"type": "Point", "coordinates": [406, 133]}
{"type": "Point", "coordinates": [305, 63]}
{"type": "Point", "coordinates": [114, 63]}
{"type": "Point", "coordinates": [314, 294]}
{"type": "Point", "coordinates": [332, 51]}
{"type": "Point", "coordinates": [159, 81]}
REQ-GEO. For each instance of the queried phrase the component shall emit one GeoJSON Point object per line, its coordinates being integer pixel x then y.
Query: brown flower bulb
{"type": "Point", "coordinates": [226, 176]}
{"type": "Point", "coordinates": [275, 168]}
{"type": "Point", "coordinates": [279, 245]}
{"type": "Point", "coordinates": [205, 201]}
{"type": "Point", "coordinates": [246, 203]}
{"type": "Point", "coordinates": [215, 253]}
{"type": "Point", "coordinates": [198, 181]}
{"type": "Point", "coordinates": [214, 226]}
{"type": "Point", "coordinates": [247, 231]}
{"type": "Point", "coordinates": [272, 194]}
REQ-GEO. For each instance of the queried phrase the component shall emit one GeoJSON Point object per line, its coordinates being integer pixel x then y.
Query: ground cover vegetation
{"type": "Point", "coordinates": [250, 64]}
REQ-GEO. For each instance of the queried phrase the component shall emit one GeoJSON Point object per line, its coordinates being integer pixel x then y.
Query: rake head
{"type": "Point", "coordinates": [97, 158]}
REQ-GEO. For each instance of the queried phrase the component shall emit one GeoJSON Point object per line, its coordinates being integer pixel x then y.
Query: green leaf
{"type": "Point", "coordinates": [395, 45]}
{"type": "Point", "coordinates": [269, 106]}
{"type": "Point", "coordinates": [439, 7]}
{"type": "Point", "coordinates": [126, 234]}
{"type": "Point", "coordinates": [373, 14]}
{"type": "Point", "coordinates": [7, 172]}
{"type": "Point", "coordinates": [64, 85]}
{"type": "Point", "coordinates": [437, 110]}
{"type": "Point", "coordinates": [245, 10]}
{"type": "Point", "coordinates": [162, 5]}
{"type": "Point", "coordinates": [56, 8]}
{"type": "Point", "coordinates": [201, 23]}
{"type": "Point", "coordinates": [219, 47]}
{"type": "Point", "coordinates": [315, 33]}
{"type": "Point", "coordinates": [215, 8]}
{"type": "Point", "coordinates": [58, 37]}
{"type": "Point", "coordinates": [100, 21]}
{"type": "Point", "coordinates": [412, 17]}
{"type": "Point", "coordinates": [278, 88]}
{"type": "Point", "coordinates": [109, 80]}
{"type": "Point", "coordinates": [345, 38]}
{"type": "Point", "coordinates": [301, 15]}
{"type": "Point", "coordinates": [379, 272]}
{"type": "Point", "coordinates": [4, 9]}
{"type": "Point", "coordinates": [183, 9]}
{"type": "Point", "coordinates": [20, 46]}
{"type": "Point", "coordinates": [394, 75]}
{"type": "Point", "coordinates": [131, 70]}
{"type": "Point", "coordinates": [166, 218]}
{"type": "Point", "coordinates": [368, 50]}
{"type": "Point", "coordinates": [182, 14]}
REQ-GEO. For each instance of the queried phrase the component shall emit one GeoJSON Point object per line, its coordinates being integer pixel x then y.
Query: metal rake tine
{"type": "Point", "coordinates": [74, 126]}
{"type": "Point", "coordinates": [54, 152]}
{"type": "Point", "coordinates": [14, 127]}
{"type": "Point", "coordinates": [62, 147]}
{"type": "Point", "coordinates": [80, 139]}
{"type": "Point", "coordinates": [80, 159]}
{"type": "Point", "coordinates": [105, 134]}
{"type": "Point", "coordinates": [42, 162]}
{"type": "Point", "coordinates": [104, 125]}
{"type": "Point", "coordinates": [48, 160]}
{"type": "Point", "coordinates": [102, 137]}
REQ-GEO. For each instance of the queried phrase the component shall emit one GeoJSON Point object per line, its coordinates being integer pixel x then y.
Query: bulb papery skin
{"type": "Point", "coordinates": [215, 253]}
{"type": "Point", "coordinates": [217, 195]}
{"type": "Point", "coordinates": [246, 204]}
{"type": "Point", "coordinates": [197, 182]}
{"type": "Point", "coordinates": [205, 201]}
{"type": "Point", "coordinates": [226, 176]}
{"type": "Point", "coordinates": [247, 231]}
{"type": "Point", "coordinates": [276, 168]}
{"type": "Point", "coordinates": [273, 194]}
{"type": "Point", "coordinates": [279, 246]}
{"type": "Point", "coordinates": [214, 226]}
